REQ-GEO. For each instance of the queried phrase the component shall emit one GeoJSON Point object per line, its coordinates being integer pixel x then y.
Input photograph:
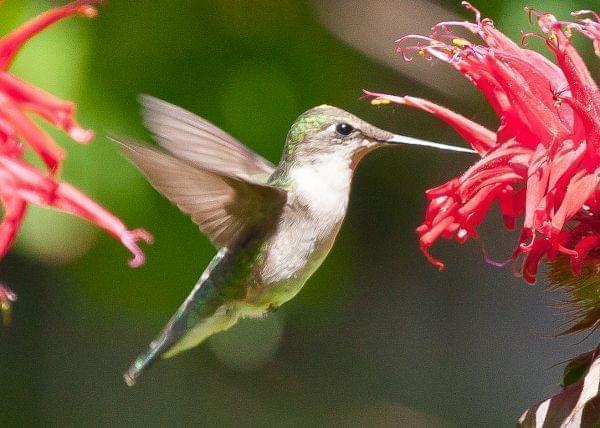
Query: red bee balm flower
{"type": "Point", "coordinates": [543, 162]}
{"type": "Point", "coordinates": [22, 183]}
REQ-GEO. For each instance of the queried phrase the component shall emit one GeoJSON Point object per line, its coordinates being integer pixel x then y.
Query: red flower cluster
{"type": "Point", "coordinates": [543, 162]}
{"type": "Point", "coordinates": [20, 182]}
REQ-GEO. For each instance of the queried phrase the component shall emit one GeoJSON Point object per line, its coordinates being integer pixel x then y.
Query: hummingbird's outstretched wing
{"type": "Point", "coordinates": [193, 138]}
{"type": "Point", "coordinates": [224, 207]}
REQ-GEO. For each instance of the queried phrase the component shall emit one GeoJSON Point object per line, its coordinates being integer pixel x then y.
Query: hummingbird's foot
{"type": "Point", "coordinates": [129, 238]}
{"type": "Point", "coordinates": [7, 297]}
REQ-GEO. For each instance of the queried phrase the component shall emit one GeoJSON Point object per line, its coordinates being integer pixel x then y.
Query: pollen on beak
{"type": "Point", "coordinates": [401, 139]}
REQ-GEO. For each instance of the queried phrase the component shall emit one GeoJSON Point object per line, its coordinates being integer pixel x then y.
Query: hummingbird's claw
{"type": "Point", "coordinates": [129, 238]}
{"type": "Point", "coordinates": [7, 297]}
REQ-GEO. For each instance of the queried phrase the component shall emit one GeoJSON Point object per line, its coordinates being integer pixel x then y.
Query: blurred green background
{"type": "Point", "coordinates": [378, 337]}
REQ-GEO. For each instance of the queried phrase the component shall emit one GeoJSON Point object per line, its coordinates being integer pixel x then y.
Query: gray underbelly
{"type": "Point", "coordinates": [285, 272]}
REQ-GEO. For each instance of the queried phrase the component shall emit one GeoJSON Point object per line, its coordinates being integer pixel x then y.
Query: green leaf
{"type": "Point", "coordinates": [577, 368]}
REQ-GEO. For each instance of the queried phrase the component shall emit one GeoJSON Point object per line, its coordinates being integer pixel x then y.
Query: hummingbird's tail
{"type": "Point", "coordinates": [173, 340]}
{"type": "Point", "coordinates": [140, 363]}
{"type": "Point", "coordinates": [201, 315]}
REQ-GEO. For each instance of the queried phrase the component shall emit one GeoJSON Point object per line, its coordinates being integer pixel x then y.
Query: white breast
{"type": "Point", "coordinates": [323, 187]}
{"type": "Point", "coordinates": [316, 206]}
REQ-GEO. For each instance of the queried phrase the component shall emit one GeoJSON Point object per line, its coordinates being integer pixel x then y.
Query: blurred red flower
{"type": "Point", "coordinates": [20, 182]}
{"type": "Point", "coordinates": [543, 161]}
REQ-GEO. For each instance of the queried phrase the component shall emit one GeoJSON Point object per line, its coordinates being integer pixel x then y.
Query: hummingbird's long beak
{"type": "Point", "coordinates": [401, 139]}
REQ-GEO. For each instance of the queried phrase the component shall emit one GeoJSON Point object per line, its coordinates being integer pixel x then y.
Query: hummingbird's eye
{"type": "Point", "coordinates": [344, 129]}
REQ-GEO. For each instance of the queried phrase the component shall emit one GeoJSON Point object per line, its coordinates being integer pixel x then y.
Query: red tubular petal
{"type": "Point", "coordinates": [443, 189]}
{"type": "Point", "coordinates": [591, 125]}
{"type": "Point", "coordinates": [11, 43]}
{"type": "Point", "coordinates": [526, 241]}
{"type": "Point", "coordinates": [49, 151]}
{"type": "Point", "coordinates": [33, 186]}
{"type": "Point", "coordinates": [532, 260]}
{"type": "Point", "coordinates": [436, 262]}
{"type": "Point", "coordinates": [537, 90]}
{"type": "Point", "coordinates": [496, 39]}
{"type": "Point", "coordinates": [582, 85]}
{"type": "Point", "coordinates": [71, 200]}
{"type": "Point", "coordinates": [428, 238]}
{"type": "Point", "coordinates": [582, 249]}
{"type": "Point", "coordinates": [478, 136]}
{"type": "Point", "coordinates": [565, 162]}
{"type": "Point", "coordinates": [590, 28]}
{"type": "Point", "coordinates": [442, 212]}
{"type": "Point", "coordinates": [475, 209]}
{"type": "Point", "coordinates": [489, 88]}
{"type": "Point", "coordinates": [494, 178]}
{"type": "Point", "coordinates": [56, 111]}
{"type": "Point", "coordinates": [130, 238]}
{"type": "Point", "coordinates": [501, 160]}
{"type": "Point", "coordinates": [541, 121]}
{"type": "Point", "coordinates": [536, 184]}
{"type": "Point", "coordinates": [578, 191]}
{"type": "Point", "coordinates": [583, 88]}
{"type": "Point", "coordinates": [14, 212]}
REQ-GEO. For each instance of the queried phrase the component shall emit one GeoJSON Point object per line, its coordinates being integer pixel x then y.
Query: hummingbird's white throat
{"type": "Point", "coordinates": [323, 186]}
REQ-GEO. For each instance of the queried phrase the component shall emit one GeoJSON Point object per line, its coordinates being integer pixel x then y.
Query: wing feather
{"type": "Point", "coordinates": [222, 206]}
{"type": "Point", "coordinates": [196, 140]}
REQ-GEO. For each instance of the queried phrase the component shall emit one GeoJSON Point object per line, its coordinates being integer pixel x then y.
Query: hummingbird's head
{"type": "Point", "coordinates": [330, 131]}
{"type": "Point", "coordinates": [326, 131]}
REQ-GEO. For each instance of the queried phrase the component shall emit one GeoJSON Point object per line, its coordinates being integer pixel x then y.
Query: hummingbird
{"type": "Point", "coordinates": [273, 225]}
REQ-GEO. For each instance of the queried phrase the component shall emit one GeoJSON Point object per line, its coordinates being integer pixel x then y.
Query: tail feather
{"type": "Point", "coordinates": [201, 315]}
{"type": "Point", "coordinates": [167, 338]}
{"type": "Point", "coordinates": [174, 339]}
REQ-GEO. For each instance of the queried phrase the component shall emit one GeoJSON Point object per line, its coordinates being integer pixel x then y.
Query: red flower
{"type": "Point", "coordinates": [543, 161]}
{"type": "Point", "coordinates": [20, 182]}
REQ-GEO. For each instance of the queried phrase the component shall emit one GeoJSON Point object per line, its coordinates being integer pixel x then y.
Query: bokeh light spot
{"type": "Point", "coordinates": [250, 344]}
{"type": "Point", "coordinates": [54, 238]}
